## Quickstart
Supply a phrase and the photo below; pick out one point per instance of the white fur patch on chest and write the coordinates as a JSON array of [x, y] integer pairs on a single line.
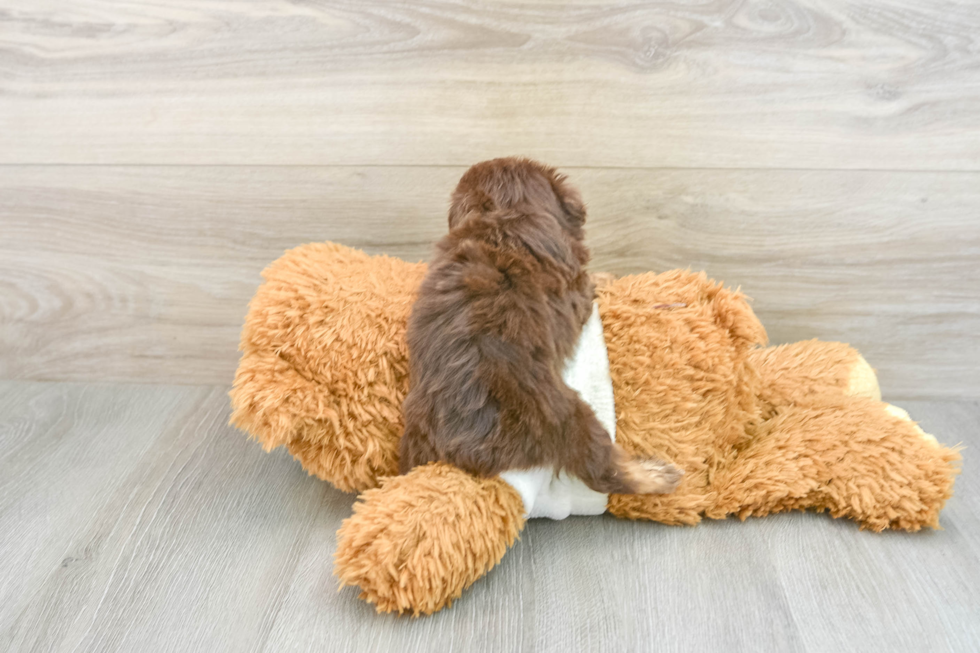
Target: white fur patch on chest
[[556, 496]]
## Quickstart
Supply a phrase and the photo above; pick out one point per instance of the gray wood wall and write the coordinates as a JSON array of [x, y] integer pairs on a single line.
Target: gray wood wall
[[154, 156]]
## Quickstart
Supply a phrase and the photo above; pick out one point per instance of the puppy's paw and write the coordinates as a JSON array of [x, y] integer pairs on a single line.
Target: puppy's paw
[[653, 476]]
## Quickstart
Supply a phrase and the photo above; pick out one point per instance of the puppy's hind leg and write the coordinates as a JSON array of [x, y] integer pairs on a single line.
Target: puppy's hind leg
[[415, 449], [651, 475], [605, 467]]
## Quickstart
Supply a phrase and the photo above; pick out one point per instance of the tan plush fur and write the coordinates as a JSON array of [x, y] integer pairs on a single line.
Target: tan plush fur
[[757, 430], [407, 558], [324, 366]]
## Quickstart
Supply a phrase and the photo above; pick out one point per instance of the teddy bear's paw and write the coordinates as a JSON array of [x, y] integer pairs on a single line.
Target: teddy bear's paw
[[862, 381], [651, 476], [900, 413]]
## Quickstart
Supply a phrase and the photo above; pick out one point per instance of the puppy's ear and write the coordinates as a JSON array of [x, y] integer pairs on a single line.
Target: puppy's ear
[[570, 200], [463, 218], [574, 207], [465, 205]]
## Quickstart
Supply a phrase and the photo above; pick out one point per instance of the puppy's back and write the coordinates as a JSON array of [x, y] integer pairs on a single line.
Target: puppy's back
[[498, 313]]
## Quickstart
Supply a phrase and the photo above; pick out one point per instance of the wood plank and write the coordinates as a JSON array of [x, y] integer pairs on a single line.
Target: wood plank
[[68, 452], [133, 518], [891, 84], [144, 273], [136, 530]]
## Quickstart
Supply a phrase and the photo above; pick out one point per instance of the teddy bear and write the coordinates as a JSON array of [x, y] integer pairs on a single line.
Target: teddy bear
[[755, 429]]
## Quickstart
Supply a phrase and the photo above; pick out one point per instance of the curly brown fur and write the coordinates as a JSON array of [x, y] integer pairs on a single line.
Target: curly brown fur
[[497, 316]]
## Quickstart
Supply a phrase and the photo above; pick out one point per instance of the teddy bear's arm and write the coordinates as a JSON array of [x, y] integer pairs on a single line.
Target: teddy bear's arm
[[415, 543]]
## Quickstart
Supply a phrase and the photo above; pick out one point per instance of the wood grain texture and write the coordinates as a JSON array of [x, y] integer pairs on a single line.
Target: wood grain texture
[[130, 531], [132, 518], [144, 273], [889, 84]]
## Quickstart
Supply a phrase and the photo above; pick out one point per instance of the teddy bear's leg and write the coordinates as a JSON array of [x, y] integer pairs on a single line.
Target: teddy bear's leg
[[417, 541], [801, 371], [903, 414], [854, 457]]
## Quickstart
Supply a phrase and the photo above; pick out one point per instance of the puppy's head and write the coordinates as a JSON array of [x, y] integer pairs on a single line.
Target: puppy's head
[[519, 185]]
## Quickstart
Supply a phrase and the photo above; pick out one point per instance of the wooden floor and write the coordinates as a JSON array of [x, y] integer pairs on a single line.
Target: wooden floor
[[133, 519], [155, 155]]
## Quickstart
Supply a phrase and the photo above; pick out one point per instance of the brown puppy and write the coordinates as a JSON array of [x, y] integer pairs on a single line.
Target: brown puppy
[[497, 316]]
